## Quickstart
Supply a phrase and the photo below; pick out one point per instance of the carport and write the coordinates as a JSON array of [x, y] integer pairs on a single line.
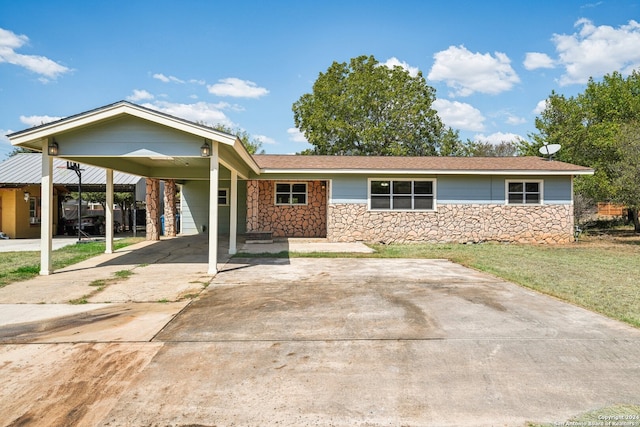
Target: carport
[[133, 139]]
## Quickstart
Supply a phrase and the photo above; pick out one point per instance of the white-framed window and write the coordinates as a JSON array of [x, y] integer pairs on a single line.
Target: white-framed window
[[223, 197], [402, 194], [291, 193], [34, 210], [524, 192]]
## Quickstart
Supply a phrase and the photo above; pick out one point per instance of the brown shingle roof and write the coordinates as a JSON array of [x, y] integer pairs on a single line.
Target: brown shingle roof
[[270, 162]]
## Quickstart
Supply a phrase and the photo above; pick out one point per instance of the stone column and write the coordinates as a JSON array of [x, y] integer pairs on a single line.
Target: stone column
[[153, 209], [170, 207], [252, 206]]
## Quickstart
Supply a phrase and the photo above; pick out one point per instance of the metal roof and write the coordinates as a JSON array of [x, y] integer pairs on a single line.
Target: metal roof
[[26, 169]]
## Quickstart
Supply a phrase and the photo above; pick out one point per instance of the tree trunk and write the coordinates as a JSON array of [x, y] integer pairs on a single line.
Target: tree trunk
[[633, 213]]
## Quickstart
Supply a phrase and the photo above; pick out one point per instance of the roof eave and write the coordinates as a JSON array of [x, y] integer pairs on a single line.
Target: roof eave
[[29, 137], [427, 172]]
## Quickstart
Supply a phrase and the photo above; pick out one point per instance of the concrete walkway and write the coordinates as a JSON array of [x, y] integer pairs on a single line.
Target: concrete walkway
[[24, 245]]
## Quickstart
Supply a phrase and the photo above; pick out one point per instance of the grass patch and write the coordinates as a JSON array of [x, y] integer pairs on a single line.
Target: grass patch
[[123, 274], [622, 415], [18, 266], [100, 284]]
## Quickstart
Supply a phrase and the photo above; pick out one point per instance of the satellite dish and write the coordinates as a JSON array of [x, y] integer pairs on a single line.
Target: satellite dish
[[550, 149]]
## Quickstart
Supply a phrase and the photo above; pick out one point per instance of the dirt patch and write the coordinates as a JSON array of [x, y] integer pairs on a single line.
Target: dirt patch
[[67, 384], [117, 322]]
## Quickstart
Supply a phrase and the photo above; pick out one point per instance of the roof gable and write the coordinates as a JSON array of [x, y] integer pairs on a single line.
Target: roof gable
[[111, 111]]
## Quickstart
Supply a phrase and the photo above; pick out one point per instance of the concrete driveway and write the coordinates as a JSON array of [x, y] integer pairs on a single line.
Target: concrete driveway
[[327, 342]]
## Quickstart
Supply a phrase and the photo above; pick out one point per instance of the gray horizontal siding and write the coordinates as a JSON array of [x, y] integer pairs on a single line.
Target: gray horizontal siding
[[450, 189]]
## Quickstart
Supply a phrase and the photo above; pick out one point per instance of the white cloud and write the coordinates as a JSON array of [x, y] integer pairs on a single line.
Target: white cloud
[[38, 120], [459, 115], [467, 72], [3, 136], [139, 95], [264, 139], [540, 107], [44, 66], [595, 51], [295, 135], [197, 82], [515, 120], [497, 137], [395, 62], [202, 112], [237, 88], [535, 60], [167, 79]]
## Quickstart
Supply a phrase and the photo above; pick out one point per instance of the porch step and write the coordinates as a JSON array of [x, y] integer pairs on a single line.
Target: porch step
[[259, 237]]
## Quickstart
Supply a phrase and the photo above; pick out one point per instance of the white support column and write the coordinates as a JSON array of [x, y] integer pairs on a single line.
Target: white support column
[[213, 209], [109, 213], [46, 212], [233, 213]]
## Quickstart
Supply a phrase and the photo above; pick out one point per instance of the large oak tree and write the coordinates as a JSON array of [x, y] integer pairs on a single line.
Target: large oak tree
[[367, 108], [598, 128]]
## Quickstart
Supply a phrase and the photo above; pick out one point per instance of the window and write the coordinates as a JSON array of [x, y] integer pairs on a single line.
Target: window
[[34, 210], [524, 192], [223, 197], [291, 193], [401, 194]]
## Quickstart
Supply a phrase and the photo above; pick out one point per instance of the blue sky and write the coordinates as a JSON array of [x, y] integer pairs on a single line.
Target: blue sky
[[244, 63]]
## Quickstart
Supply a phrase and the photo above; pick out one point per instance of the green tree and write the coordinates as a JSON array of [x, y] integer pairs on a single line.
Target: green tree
[[253, 145], [20, 150], [626, 181], [487, 149], [594, 129], [366, 108]]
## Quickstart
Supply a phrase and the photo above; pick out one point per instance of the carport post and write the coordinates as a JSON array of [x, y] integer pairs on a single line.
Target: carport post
[[109, 213], [46, 224], [233, 212], [213, 209]]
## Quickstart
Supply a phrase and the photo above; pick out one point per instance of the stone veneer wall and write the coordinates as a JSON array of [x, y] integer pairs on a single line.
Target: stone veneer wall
[[308, 220], [452, 223]]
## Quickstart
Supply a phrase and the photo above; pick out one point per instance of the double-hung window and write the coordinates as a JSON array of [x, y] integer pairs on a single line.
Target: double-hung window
[[291, 193], [401, 194], [223, 197], [524, 192]]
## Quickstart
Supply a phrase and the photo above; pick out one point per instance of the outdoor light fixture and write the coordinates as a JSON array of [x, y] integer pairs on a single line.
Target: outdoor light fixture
[[26, 196], [205, 150], [52, 149]]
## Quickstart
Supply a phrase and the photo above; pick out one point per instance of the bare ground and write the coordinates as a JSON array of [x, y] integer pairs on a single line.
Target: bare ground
[[67, 384]]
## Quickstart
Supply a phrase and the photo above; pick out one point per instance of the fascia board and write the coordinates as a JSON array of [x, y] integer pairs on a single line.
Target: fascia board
[[427, 172], [93, 117]]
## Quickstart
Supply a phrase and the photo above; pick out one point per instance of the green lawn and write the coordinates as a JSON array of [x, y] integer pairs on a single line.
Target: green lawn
[[16, 266]]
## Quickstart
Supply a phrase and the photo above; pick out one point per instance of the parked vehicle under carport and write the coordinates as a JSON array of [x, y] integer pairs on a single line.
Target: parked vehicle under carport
[[91, 224]]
